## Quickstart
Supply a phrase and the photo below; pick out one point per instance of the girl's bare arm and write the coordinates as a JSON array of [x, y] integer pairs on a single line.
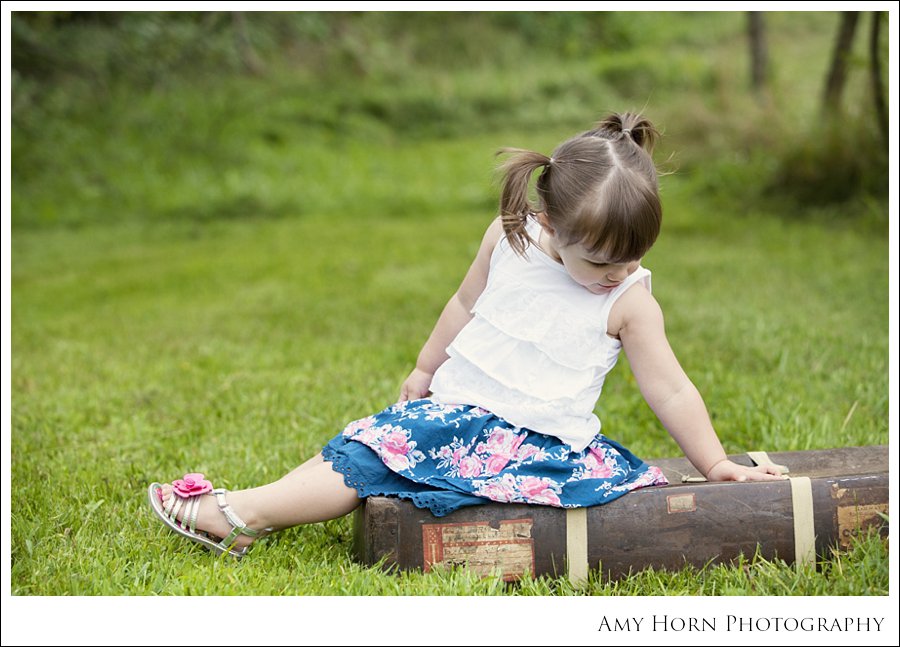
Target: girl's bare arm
[[456, 314], [670, 393]]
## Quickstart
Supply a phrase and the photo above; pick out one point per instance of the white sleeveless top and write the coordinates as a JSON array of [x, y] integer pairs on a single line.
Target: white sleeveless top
[[536, 351]]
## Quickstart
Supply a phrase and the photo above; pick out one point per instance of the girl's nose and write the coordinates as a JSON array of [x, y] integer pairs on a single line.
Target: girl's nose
[[617, 276]]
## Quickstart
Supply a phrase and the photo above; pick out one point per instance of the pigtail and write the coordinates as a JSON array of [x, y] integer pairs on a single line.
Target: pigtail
[[629, 124], [514, 204]]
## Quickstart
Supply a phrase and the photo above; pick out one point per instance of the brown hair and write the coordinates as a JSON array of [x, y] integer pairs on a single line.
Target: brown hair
[[598, 188]]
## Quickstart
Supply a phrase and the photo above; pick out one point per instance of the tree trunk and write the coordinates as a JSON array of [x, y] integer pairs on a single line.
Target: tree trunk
[[877, 85], [245, 48], [759, 55], [837, 74]]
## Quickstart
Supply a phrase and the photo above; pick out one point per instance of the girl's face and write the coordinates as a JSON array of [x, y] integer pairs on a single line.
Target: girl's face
[[592, 271]]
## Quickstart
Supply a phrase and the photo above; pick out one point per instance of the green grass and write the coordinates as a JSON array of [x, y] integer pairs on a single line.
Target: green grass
[[238, 349], [217, 275]]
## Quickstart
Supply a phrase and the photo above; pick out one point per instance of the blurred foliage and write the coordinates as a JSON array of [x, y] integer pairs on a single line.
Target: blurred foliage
[[838, 159], [119, 111], [154, 47]]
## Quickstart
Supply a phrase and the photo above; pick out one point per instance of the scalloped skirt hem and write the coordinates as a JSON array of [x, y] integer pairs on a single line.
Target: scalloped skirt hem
[[355, 462]]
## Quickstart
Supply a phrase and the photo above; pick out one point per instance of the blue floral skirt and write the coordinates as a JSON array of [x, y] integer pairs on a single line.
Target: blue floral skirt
[[444, 457]]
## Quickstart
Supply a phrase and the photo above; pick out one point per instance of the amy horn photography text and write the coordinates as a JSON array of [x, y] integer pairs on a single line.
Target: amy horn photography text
[[741, 623]]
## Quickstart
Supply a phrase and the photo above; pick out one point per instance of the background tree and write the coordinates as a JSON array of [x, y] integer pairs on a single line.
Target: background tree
[[837, 71], [249, 58], [875, 69], [759, 54]]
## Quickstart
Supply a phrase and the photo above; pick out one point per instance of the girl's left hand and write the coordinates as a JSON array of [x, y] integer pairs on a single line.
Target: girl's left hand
[[728, 471]]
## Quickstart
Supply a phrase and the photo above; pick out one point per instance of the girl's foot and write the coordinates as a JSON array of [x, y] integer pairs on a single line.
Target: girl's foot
[[210, 519]]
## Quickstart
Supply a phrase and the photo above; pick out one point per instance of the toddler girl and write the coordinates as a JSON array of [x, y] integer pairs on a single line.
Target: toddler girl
[[500, 404]]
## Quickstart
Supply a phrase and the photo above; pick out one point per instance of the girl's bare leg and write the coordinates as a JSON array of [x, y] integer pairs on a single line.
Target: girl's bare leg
[[309, 493], [315, 460]]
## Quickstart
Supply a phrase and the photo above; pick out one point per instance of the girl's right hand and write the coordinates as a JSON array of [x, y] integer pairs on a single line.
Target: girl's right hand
[[416, 386]]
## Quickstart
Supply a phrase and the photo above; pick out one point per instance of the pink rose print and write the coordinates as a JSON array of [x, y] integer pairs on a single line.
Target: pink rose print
[[531, 485], [396, 462], [502, 442], [654, 476], [502, 490], [359, 425], [546, 497], [496, 463], [497, 492], [395, 443], [499, 440], [396, 450], [470, 467], [191, 485], [367, 436], [458, 456], [595, 463], [537, 490], [526, 452]]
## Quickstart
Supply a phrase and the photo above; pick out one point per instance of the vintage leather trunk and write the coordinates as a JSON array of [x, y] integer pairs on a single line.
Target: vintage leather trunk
[[832, 495]]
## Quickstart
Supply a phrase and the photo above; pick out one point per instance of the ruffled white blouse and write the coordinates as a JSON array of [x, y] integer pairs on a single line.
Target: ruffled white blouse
[[536, 351]]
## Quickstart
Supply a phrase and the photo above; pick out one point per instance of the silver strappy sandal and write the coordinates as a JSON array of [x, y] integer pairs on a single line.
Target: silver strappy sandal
[[186, 493]]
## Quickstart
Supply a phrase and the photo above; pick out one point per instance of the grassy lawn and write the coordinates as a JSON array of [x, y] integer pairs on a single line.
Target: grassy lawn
[[239, 348], [199, 284]]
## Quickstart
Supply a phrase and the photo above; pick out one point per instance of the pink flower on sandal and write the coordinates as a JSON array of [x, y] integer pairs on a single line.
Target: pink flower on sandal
[[191, 485]]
